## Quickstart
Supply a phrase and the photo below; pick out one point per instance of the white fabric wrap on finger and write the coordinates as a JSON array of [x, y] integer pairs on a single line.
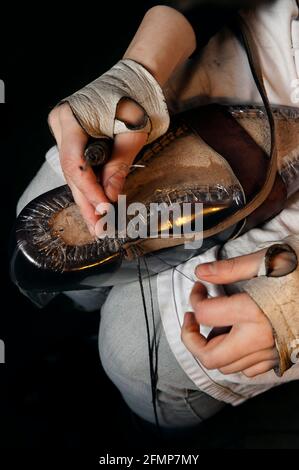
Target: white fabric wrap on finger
[[278, 298], [94, 106]]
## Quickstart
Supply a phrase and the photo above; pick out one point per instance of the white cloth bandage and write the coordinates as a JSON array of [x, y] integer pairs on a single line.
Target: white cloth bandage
[[278, 297], [95, 105]]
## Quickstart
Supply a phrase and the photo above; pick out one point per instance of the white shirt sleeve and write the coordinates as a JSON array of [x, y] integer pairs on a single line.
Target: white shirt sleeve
[[222, 72]]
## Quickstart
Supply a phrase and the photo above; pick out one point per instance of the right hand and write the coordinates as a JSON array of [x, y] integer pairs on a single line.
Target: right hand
[[71, 141]]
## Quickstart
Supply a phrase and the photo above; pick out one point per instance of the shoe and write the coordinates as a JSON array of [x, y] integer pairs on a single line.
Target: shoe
[[220, 166]]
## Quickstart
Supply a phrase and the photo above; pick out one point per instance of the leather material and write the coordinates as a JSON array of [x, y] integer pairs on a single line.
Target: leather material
[[218, 138], [225, 135], [272, 206]]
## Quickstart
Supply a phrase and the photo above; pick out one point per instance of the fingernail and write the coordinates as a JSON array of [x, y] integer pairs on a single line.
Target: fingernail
[[205, 269], [115, 183], [91, 230], [102, 213], [188, 318], [113, 190]]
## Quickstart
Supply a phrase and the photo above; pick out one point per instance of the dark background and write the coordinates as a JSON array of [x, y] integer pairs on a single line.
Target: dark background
[[53, 392]]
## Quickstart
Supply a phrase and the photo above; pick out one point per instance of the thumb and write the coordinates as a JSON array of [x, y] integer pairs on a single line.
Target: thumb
[[125, 148], [240, 268]]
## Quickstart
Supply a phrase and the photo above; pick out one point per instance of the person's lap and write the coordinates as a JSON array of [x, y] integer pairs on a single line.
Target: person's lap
[[125, 358], [123, 342]]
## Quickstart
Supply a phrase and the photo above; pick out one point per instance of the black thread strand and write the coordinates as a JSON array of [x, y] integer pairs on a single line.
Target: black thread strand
[[152, 369]]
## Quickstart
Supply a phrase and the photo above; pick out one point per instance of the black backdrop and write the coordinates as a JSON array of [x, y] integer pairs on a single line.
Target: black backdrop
[[53, 392]]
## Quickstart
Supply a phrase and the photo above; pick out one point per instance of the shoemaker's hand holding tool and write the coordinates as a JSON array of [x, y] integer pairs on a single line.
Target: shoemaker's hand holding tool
[[88, 191], [125, 104]]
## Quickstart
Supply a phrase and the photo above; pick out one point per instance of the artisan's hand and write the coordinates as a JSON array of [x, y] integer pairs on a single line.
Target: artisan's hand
[[248, 346], [71, 141], [163, 41]]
